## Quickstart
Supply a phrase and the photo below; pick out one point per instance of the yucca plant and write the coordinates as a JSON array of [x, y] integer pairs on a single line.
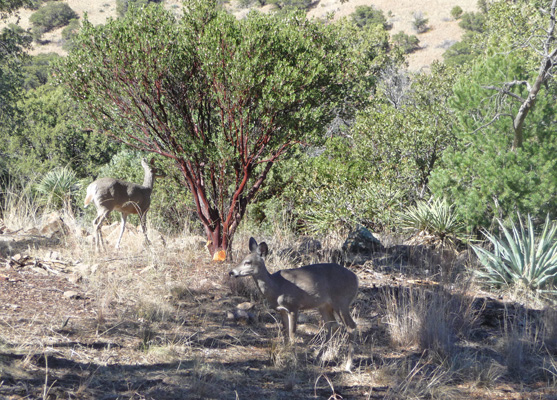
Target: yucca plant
[[520, 258], [435, 217], [57, 187]]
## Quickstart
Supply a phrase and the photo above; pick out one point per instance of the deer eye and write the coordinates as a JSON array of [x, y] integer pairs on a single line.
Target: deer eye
[[247, 262]]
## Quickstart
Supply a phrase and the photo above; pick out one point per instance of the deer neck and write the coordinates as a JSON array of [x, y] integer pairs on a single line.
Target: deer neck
[[149, 178], [266, 285]]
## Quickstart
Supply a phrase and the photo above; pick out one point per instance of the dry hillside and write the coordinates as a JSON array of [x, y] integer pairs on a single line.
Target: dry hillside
[[443, 30]]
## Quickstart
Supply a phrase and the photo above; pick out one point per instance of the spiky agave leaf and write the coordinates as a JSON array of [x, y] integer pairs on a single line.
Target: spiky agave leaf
[[519, 257]]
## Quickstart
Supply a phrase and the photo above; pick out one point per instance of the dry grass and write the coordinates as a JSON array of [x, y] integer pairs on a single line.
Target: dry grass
[[152, 323]]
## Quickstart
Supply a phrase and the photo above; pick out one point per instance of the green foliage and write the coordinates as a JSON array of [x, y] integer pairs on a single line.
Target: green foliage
[[223, 98], [369, 16], [69, 33], [13, 43], [481, 174], [471, 21], [419, 23], [50, 135], [51, 16], [465, 51], [408, 43], [122, 6], [366, 175], [57, 187], [37, 70], [435, 217], [456, 12], [521, 258], [290, 5]]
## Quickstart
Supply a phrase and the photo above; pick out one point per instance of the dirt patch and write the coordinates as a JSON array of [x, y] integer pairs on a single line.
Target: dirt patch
[[155, 324]]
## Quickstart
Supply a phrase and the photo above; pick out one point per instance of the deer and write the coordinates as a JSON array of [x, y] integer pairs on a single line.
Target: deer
[[109, 194], [329, 288]]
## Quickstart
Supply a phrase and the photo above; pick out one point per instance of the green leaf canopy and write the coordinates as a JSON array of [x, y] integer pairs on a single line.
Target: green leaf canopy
[[224, 98]]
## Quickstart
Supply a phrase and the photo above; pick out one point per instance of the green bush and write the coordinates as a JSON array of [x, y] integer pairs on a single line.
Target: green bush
[[456, 12], [69, 33], [49, 17], [37, 70], [122, 6], [408, 43], [369, 16], [481, 173], [471, 21], [420, 22], [521, 258]]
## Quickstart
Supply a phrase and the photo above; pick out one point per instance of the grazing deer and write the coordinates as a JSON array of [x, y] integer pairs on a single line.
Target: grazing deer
[[111, 194], [329, 288]]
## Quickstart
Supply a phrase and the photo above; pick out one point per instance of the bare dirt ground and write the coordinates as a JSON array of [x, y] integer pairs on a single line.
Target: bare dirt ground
[[441, 33], [157, 324]]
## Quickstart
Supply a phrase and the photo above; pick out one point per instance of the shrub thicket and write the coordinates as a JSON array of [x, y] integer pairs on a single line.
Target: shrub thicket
[[456, 12], [369, 16], [408, 43], [122, 6], [51, 16], [471, 21]]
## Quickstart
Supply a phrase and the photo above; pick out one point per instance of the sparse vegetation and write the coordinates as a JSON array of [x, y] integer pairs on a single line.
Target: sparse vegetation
[[456, 12], [420, 23], [50, 16], [369, 16], [408, 43]]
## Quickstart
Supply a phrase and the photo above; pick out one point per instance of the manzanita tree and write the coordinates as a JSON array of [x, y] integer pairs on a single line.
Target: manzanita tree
[[223, 98]]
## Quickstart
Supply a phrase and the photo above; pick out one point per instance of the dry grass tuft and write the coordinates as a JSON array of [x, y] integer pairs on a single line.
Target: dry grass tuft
[[430, 318]]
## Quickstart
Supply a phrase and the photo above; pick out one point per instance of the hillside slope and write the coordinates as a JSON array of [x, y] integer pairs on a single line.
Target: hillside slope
[[443, 30]]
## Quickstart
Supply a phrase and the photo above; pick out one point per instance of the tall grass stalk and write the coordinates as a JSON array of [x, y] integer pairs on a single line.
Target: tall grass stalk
[[20, 208]]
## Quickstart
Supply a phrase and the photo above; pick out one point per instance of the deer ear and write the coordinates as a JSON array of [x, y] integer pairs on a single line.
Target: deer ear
[[252, 244], [262, 249]]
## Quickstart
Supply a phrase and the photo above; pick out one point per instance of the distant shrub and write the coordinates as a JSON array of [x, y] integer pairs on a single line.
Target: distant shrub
[[49, 17], [69, 33], [474, 22], [456, 12], [369, 16], [122, 6], [408, 43], [420, 22]]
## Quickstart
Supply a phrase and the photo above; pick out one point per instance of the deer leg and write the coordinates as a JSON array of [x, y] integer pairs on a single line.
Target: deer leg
[[289, 321], [292, 324], [344, 314], [124, 217], [143, 220], [97, 223], [327, 312]]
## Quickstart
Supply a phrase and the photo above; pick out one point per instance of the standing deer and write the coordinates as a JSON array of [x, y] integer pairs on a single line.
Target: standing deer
[[111, 194], [330, 288]]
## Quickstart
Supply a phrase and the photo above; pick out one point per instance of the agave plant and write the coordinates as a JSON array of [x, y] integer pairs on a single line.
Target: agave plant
[[520, 257], [435, 217], [57, 187]]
